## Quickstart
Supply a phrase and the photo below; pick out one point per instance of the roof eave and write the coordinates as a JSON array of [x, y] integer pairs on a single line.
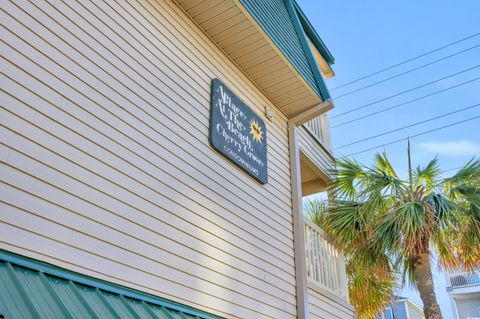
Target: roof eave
[[255, 53]]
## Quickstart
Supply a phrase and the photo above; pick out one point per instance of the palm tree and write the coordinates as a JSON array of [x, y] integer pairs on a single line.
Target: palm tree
[[389, 227]]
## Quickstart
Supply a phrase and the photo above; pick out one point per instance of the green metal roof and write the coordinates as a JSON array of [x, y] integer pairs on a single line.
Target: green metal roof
[[32, 289], [288, 28]]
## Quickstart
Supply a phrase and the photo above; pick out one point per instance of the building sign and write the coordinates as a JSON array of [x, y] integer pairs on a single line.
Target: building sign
[[237, 132]]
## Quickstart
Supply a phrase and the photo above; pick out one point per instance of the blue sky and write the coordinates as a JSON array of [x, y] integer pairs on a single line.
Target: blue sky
[[366, 36]]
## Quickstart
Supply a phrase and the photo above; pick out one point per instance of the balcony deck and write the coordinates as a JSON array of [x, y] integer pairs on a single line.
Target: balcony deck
[[319, 127], [464, 279], [325, 265], [327, 285]]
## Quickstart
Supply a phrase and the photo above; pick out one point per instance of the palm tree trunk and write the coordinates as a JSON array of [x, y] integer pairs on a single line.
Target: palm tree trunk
[[424, 282]]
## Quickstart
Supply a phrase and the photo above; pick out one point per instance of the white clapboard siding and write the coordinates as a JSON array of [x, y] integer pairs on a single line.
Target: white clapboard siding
[[106, 166], [75, 57], [42, 121], [310, 147], [322, 307]]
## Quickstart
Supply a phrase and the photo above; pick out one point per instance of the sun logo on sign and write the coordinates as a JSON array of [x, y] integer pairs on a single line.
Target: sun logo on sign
[[256, 131]]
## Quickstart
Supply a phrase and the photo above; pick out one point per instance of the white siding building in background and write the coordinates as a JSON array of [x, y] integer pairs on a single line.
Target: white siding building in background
[[403, 308], [464, 290]]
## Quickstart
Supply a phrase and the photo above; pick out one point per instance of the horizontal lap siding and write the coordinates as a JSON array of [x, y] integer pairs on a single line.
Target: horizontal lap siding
[[106, 166], [321, 307], [310, 147]]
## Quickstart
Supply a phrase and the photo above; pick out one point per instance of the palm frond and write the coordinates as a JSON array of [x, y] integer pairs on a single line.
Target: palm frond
[[382, 164], [428, 175], [346, 222], [403, 261], [443, 241], [446, 212], [457, 243], [469, 173], [371, 285], [316, 211], [388, 233], [405, 227], [348, 175], [469, 239]]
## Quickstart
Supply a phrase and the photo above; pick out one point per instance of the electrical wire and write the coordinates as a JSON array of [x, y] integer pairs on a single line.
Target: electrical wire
[[415, 135], [406, 61], [406, 72], [408, 126], [451, 169], [404, 103], [404, 92]]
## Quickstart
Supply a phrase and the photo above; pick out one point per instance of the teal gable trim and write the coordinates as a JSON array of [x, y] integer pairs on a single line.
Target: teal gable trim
[[280, 21], [34, 289], [274, 18], [324, 93], [313, 35]]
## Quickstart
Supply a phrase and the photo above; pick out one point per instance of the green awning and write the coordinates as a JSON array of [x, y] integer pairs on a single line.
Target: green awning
[[31, 289]]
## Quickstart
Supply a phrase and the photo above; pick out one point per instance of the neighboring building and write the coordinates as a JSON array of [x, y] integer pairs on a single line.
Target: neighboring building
[[403, 308], [464, 290], [154, 155]]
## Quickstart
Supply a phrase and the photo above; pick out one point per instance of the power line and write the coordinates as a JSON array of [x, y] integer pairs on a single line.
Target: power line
[[416, 135], [408, 126], [451, 169], [406, 61], [404, 103], [406, 72], [404, 92]]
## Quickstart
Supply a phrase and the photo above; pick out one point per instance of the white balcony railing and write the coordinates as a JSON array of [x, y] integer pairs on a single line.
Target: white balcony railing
[[463, 279], [320, 128], [325, 265]]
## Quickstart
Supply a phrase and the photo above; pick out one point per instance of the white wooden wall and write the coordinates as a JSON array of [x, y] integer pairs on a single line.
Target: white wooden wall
[[323, 307], [106, 167], [310, 147]]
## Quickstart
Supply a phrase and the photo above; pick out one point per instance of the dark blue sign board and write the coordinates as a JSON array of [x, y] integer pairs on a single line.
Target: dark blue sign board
[[237, 132]]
